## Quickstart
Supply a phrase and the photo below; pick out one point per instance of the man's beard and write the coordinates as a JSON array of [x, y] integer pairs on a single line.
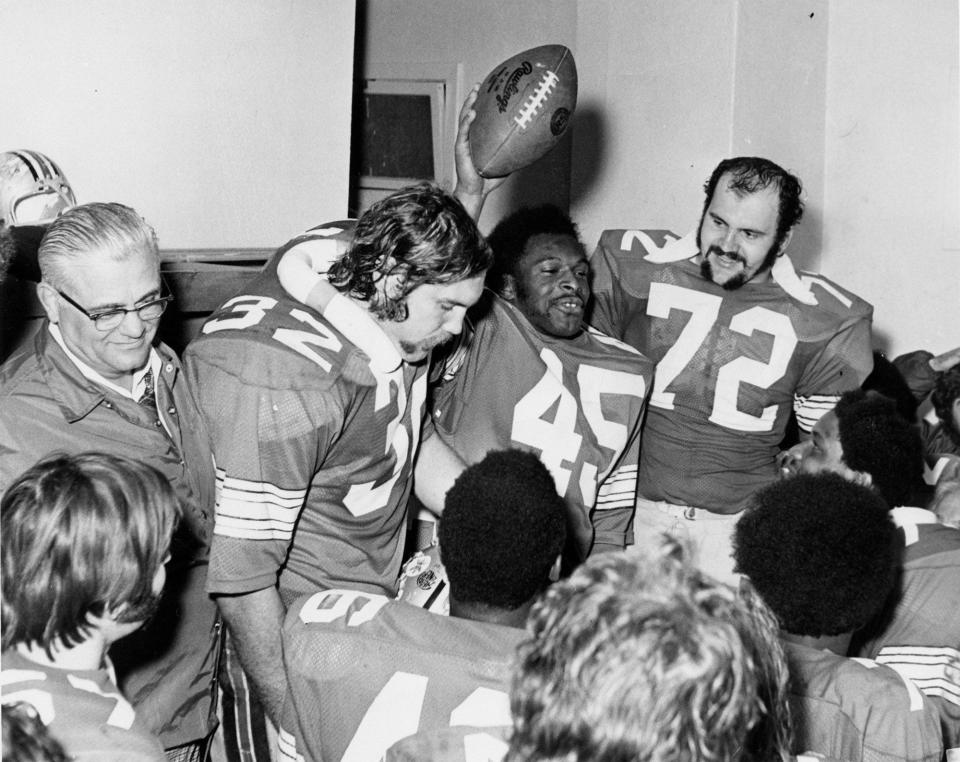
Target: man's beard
[[418, 348], [742, 277]]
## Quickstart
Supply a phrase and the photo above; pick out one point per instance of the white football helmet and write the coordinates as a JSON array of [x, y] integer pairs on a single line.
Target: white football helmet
[[33, 189]]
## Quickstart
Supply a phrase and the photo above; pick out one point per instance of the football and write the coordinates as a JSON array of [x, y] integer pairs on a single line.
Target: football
[[523, 109]]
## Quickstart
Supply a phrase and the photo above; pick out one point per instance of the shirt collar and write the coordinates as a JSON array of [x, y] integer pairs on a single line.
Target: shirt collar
[[906, 515], [782, 272], [153, 364]]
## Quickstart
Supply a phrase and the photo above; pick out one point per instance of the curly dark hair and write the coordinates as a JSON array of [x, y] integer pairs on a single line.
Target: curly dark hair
[[502, 528], [876, 439], [946, 390], [886, 379], [750, 174], [509, 238], [423, 234], [822, 552]]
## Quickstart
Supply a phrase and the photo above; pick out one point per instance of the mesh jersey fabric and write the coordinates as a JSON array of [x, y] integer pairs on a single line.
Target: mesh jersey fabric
[[918, 633], [730, 365], [313, 446], [456, 744], [364, 671], [858, 710], [82, 709], [577, 403]]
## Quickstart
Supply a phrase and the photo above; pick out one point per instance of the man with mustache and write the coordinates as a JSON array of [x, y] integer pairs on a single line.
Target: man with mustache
[[315, 418], [528, 374], [739, 337]]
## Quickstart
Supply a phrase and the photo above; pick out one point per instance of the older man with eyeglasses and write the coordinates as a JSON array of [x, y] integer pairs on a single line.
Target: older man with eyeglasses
[[94, 378]]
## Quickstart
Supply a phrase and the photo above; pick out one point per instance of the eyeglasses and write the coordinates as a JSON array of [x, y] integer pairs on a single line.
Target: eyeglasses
[[110, 319]]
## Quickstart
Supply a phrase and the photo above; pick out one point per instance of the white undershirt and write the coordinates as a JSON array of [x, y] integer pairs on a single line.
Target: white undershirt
[[154, 363]]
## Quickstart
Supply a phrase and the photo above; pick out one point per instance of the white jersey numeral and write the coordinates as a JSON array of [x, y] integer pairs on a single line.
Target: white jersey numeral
[[558, 439], [725, 411], [40, 700], [251, 310], [122, 715], [330, 605], [483, 747], [395, 714], [301, 341], [704, 310], [365, 498]]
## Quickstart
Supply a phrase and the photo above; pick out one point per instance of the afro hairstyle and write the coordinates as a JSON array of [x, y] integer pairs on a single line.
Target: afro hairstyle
[[509, 238], [821, 551], [886, 379], [946, 390], [502, 528], [877, 440]]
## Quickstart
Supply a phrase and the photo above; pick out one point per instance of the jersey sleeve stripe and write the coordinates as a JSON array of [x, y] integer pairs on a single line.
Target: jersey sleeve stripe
[[287, 747], [619, 490], [811, 409], [245, 485], [252, 529], [255, 510], [927, 667]]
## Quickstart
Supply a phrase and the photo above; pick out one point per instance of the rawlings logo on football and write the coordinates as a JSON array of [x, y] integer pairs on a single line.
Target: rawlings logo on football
[[535, 101], [523, 108], [512, 85], [559, 121]]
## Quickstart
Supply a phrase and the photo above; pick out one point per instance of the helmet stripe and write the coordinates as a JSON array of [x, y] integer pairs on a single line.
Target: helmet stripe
[[27, 159]]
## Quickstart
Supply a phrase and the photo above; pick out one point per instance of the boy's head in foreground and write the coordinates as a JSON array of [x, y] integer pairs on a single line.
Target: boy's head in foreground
[[85, 539]]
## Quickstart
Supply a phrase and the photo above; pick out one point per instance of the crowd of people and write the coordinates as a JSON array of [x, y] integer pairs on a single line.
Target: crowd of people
[[636, 557]]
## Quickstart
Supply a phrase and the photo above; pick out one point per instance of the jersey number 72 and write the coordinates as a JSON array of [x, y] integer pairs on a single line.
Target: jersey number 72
[[704, 309]]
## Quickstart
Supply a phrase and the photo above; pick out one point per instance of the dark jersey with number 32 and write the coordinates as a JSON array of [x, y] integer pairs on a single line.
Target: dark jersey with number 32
[[313, 439], [730, 364]]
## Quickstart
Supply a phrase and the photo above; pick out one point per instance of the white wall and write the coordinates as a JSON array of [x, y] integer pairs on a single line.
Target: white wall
[[477, 35], [669, 88], [226, 124], [892, 230], [859, 98]]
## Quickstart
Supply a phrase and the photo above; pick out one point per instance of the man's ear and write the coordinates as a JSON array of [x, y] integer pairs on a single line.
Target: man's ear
[[508, 290], [50, 300], [394, 284], [785, 243]]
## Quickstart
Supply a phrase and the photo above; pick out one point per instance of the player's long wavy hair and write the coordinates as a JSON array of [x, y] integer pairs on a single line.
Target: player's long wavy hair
[[644, 658], [421, 233], [82, 534], [750, 174]]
